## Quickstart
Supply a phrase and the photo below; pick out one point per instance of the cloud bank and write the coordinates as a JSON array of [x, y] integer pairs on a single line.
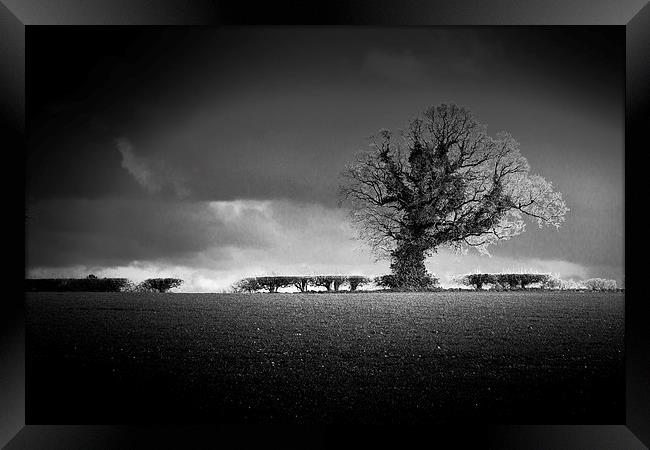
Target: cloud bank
[[213, 244]]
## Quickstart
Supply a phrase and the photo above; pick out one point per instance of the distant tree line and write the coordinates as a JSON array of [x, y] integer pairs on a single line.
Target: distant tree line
[[94, 284], [331, 283]]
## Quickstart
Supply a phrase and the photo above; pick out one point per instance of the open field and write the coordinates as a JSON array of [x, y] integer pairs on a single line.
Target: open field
[[508, 357]]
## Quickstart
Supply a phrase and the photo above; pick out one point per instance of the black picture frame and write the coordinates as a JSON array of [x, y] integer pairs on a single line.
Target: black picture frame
[[16, 15]]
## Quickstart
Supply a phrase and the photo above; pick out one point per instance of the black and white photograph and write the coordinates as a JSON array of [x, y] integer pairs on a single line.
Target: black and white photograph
[[325, 225]]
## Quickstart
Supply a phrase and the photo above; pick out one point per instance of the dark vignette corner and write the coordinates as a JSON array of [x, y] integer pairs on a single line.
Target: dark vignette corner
[[637, 334], [12, 320], [636, 312]]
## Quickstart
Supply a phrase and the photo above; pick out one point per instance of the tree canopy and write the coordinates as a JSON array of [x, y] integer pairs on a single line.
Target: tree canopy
[[443, 181]]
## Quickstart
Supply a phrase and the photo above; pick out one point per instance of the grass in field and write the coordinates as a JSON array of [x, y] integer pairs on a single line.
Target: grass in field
[[497, 357]]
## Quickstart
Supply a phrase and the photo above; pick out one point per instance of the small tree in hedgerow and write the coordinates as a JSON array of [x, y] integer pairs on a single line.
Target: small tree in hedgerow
[[301, 283], [323, 281], [273, 283], [356, 281], [159, 284], [478, 280], [512, 280], [526, 279], [337, 281], [600, 284], [521, 280], [443, 182], [554, 282], [247, 285]]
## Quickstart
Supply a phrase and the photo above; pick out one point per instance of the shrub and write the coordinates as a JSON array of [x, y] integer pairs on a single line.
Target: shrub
[[355, 281], [531, 278], [130, 286], [159, 284], [477, 280], [600, 284], [511, 280], [552, 283], [337, 281], [520, 280], [247, 285], [270, 283], [301, 283], [571, 285], [273, 283], [390, 282], [325, 281], [330, 282], [501, 281]]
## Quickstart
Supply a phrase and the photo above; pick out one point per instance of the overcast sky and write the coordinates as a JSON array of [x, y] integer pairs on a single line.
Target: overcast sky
[[212, 154]]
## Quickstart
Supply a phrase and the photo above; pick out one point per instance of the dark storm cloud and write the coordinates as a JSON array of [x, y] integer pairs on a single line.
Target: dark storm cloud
[[119, 231], [158, 115], [279, 98], [396, 67], [293, 102]]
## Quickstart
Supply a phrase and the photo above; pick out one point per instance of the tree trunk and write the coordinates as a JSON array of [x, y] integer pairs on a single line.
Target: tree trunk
[[408, 267]]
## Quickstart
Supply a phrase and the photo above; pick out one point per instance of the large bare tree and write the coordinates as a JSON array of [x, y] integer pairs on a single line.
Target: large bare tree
[[443, 181]]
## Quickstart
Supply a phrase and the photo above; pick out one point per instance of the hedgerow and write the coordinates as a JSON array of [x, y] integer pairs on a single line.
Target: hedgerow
[[502, 281], [600, 284], [76, 284], [357, 281], [429, 282], [158, 284], [302, 283]]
